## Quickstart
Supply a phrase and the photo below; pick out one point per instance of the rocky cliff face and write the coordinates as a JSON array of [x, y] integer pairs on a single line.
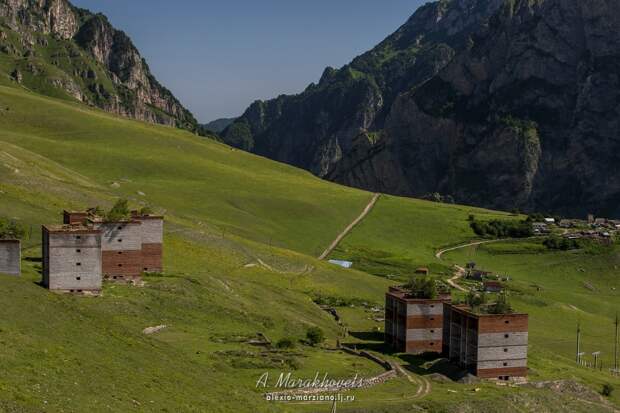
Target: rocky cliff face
[[57, 49], [511, 104]]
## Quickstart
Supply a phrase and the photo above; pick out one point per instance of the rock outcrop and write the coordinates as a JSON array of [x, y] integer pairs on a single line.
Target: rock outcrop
[[65, 51], [512, 104]]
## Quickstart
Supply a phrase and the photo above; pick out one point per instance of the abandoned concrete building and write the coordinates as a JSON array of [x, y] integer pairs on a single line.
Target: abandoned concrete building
[[490, 346], [72, 259], [413, 325], [80, 254], [10, 256], [129, 247]]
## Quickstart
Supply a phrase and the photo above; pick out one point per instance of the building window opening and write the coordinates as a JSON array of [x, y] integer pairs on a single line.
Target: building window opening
[[78, 278]]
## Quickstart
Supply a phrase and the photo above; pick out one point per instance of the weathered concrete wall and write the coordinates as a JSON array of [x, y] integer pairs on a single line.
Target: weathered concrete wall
[[73, 262], [10, 257], [425, 309], [124, 236], [152, 230], [425, 334]]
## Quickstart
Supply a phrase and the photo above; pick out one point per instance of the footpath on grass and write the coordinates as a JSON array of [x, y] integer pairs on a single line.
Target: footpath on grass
[[352, 225]]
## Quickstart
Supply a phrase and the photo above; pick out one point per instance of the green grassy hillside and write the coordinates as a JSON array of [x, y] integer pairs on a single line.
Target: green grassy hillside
[[241, 234]]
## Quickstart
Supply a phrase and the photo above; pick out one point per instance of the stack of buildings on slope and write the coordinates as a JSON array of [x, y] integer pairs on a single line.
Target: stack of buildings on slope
[[490, 346], [86, 249]]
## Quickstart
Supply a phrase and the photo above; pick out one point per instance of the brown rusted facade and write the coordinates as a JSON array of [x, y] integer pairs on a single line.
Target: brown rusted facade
[[413, 325], [491, 346]]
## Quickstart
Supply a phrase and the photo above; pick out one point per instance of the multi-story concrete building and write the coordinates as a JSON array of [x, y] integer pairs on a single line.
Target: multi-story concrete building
[[413, 325], [129, 247], [10, 256], [72, 259], [492, 346]]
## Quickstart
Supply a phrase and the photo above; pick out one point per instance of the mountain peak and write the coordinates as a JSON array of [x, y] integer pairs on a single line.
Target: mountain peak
[[64, 51]]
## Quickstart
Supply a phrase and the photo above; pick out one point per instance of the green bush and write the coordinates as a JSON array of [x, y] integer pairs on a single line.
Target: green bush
[[564, 244], [608, 389], [501, 306], [503, 228], [422, 287], [315, 336], [119, 212], [10, 229], [285, 343]]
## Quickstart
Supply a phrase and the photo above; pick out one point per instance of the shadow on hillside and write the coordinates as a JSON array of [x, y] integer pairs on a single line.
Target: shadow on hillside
[[367, 335], [429, 363], [376, 347]]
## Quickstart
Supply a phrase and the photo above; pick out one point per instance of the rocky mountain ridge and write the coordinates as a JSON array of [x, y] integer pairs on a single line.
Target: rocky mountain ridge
[[54, 48], [505, 104]]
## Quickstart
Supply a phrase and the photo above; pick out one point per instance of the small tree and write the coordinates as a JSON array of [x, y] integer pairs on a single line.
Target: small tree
[[285, 343], [501, 306], [608, 389], [10, 229], [146, 210], [422, 287], [119, 212], [315, 336], [475, 300]]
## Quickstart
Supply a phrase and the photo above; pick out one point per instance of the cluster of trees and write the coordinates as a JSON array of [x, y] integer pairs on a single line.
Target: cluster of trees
[[10, 229], [478, 302], [422, 287], [502, 228], [564, 244]]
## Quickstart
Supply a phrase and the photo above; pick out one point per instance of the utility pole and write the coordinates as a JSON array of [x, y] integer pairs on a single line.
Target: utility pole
[[578, 343], [616, 346]]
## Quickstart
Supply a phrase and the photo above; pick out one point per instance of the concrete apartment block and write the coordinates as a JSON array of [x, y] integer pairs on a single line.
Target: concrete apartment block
[[72, 259], [10, 256], [121, 248], [413, 325], [490, 346]]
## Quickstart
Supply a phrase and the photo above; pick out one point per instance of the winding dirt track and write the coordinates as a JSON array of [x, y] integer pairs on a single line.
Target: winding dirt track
[[460, 271], [352, 225]]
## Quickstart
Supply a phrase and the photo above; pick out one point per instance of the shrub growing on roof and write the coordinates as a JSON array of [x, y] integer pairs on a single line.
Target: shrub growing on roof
[[119, 212], [10, 229], [422, 287]]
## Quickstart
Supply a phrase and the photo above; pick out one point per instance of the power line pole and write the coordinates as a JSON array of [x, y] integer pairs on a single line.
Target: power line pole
[[616, 346], [578, 342]]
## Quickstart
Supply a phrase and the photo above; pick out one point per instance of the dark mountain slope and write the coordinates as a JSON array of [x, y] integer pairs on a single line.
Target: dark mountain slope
[[54, 48], [527, 117], [315, 128], [520, 111]]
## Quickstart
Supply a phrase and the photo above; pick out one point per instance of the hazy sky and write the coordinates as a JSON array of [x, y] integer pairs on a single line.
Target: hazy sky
[[218, 56]]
